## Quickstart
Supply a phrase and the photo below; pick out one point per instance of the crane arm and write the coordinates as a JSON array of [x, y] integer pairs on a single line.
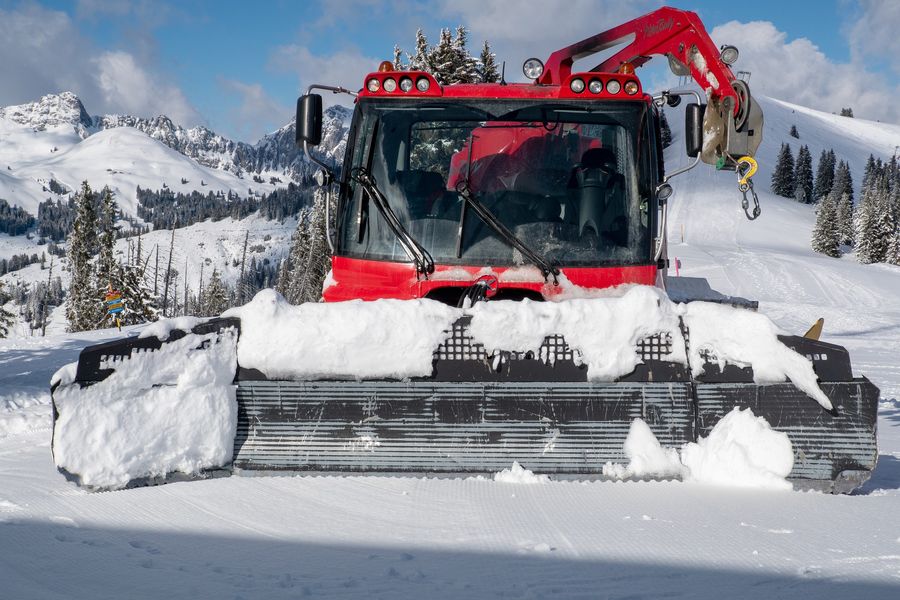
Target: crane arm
[[678, 34], [732, 120]]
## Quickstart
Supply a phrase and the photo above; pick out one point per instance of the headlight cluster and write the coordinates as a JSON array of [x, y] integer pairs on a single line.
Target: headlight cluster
[[595, 86], [390, 85]]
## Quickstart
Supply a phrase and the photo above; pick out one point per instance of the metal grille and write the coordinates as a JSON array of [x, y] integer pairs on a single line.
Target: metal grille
[[459, 345], [454, 427], [655, 347]]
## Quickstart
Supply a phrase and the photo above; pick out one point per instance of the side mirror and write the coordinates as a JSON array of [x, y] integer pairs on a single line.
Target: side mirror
[[309, 119], [693, 128]]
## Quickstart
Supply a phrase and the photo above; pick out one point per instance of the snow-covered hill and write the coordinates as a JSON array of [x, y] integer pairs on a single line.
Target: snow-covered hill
[[54, 137]]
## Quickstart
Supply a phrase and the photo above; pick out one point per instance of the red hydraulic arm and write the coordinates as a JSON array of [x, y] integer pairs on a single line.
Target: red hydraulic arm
[[678, 34]]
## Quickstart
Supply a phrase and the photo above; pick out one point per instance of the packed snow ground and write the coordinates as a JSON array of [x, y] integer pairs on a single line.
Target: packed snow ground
[[335, 537]]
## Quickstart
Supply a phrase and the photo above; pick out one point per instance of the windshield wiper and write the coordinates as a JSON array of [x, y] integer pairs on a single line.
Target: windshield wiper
[[420, 256], [547, 268]]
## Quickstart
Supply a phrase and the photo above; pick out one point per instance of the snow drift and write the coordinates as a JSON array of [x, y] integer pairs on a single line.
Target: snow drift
[[647, 457], [355, 339], [128, 426], [741, 450], [520, 475]]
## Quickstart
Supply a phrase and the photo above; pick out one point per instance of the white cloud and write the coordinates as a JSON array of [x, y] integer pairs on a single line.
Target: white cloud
[[797, 71], [257, 112], [875, 33], [43, 52], [520, 29], [345, 68], [136, 91]]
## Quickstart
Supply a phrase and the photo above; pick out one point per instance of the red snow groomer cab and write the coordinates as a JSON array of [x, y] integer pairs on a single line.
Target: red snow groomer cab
[[525, 183]]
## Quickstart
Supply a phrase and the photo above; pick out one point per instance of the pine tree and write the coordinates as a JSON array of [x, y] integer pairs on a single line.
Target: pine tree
[[215, 296], [398, 59], [875, 223], [421, 60], [824, 175], [106, 225], [794, 132], [843, 185], [296, 256], [825, 237], [6, 317], [443, 59], [304, 272], [465, 65], [871, 169], [83, 311], [893, 251], [665, 130], [487, 65], [883, 223], [140, 304], [803, 176], [783, 175], [847, 112]]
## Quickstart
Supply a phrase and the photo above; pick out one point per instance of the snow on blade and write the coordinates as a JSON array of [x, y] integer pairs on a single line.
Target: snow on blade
[[604, 330], [164, 327], [356, 339], [127, 427], [647, 457], [742, 450], [746, 338], [518, 474]]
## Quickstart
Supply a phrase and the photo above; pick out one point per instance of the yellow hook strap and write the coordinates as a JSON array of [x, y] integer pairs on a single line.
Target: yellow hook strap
[[752, 167]]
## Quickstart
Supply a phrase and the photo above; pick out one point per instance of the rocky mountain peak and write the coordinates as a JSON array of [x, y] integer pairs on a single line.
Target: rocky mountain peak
[[52, 110]]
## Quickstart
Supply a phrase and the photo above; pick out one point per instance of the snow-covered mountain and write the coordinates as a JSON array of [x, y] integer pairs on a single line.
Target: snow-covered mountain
[[56, 138]]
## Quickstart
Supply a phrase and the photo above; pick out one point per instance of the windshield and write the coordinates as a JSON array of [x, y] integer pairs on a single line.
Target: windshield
[[564, 179]]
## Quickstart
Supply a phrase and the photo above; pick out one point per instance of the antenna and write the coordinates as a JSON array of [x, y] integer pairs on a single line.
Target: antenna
[[503, 73]]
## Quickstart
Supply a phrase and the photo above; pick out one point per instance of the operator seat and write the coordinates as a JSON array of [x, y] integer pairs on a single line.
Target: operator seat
[[601, 198], [542, 192], [422, 189]]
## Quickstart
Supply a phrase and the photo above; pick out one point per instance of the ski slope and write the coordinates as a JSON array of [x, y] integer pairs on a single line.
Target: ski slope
[[379, 537], [122, 158]]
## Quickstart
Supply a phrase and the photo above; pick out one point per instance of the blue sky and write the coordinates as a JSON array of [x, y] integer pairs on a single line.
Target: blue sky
[[238, 68]]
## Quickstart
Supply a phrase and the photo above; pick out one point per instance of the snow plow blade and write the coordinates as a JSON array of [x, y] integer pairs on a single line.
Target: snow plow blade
[[478, 413]]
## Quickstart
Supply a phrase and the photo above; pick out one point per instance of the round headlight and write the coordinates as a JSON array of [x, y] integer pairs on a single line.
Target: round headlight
[[577, 85], [613, 86], [533, 68], [390, 84], [596, 86], [729, 55], [631, 88], [422, 84], [406, 84], [373, 85]]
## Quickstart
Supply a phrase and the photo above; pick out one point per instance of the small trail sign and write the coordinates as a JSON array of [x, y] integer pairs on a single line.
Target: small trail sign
[[114, 305]]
